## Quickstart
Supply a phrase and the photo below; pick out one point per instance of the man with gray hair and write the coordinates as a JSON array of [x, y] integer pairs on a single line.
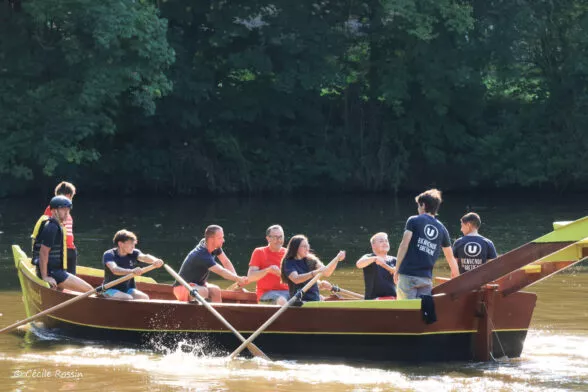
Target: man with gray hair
[[264, 268], [378, 269]]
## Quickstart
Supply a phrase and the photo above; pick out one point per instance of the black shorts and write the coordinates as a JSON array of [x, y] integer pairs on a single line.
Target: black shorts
[[60, 275]]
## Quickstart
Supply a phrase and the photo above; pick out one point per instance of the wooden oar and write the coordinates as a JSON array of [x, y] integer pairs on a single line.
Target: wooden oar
[[351, 294], [278, 313], [252, 348], [76, 299]]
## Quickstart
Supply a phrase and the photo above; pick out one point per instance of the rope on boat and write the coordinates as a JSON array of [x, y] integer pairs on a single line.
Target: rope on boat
[[495, 333]]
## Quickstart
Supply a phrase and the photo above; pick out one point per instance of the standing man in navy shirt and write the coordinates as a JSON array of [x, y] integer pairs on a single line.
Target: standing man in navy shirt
[[472, 250], [123, 260], [378, 268], [424, 237]]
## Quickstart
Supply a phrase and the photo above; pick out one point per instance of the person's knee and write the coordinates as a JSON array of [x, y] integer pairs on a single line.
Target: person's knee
[[215, 293], [203, 291], [136, 294], [281, 301]]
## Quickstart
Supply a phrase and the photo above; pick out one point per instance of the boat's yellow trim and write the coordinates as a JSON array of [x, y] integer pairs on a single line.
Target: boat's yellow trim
[[532, 269], [571, 252], [99, 273], [566, 231], [403, 304], [283, 332], [23, 264]]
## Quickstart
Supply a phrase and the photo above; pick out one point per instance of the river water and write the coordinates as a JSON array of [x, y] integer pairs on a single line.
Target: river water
[[555, 357]]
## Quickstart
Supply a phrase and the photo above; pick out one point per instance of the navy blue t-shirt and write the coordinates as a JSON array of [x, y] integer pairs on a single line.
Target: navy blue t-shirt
[[378, 281], [428, 237], [471, 251], [128, 261], [300, 266], [195, 267], [52, 237]]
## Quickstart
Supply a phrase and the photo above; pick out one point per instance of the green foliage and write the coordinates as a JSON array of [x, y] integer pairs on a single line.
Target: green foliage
[[295, 96], [68, 67]]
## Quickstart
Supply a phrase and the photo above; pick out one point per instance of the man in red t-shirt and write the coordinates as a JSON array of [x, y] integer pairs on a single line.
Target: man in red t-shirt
[[68, 190], [264, 268]]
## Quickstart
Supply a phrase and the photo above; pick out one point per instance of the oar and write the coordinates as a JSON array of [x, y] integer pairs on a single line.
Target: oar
[[76, 299], [252, 348], [279, 312], [351, 294]]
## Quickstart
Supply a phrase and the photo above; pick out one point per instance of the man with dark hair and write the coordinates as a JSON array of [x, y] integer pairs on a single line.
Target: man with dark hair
[[49, 251], [68, 190], [378, 269], [200, 261], [264, 268], [123, 260], [472, 250], [424, 237]]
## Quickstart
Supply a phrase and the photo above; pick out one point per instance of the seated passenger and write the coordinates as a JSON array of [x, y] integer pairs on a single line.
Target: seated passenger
[[378, 269], [121, 261], [300, 265], [264, 268], [49, 248], [200, 262], [472, 250]]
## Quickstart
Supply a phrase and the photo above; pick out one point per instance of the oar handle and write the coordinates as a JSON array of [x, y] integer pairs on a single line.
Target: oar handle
[[337, 289], [75, 299], [279, 312], [252, 348]]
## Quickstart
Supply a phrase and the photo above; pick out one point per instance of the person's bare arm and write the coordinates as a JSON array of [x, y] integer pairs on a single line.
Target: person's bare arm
[[149, 259], [226, 262], [229, 275], [448, 252], [402, 249], [365, 261], [116, 270], [43, 263]]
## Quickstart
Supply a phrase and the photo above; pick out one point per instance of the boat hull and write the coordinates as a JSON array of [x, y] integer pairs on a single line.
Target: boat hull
[[344, 333]]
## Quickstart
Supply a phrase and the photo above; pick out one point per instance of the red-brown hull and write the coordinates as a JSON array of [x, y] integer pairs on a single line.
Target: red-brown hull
[[347, 333]]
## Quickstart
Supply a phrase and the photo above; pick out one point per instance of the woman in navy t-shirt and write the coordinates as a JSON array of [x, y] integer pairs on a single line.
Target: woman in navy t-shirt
[[300, 265]]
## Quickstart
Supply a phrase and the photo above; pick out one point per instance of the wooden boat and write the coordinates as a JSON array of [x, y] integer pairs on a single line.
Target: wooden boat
[[480, 314]]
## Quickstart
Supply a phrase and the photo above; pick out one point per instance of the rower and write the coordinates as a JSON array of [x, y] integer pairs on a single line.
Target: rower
[[200, 262], [378, 269], [300, 265], [264, 268], [122, 260]]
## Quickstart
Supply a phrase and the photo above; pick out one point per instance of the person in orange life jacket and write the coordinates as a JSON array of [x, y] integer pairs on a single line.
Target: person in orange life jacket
[[49, 251], [264, 268], [472, 250], [424, 238], [300, 265], [68, 190], [378, 269], [121, 261], [200, 262]]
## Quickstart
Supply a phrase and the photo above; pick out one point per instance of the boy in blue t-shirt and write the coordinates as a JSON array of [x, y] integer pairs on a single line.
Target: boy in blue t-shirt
[[424, 238], [472, 250]]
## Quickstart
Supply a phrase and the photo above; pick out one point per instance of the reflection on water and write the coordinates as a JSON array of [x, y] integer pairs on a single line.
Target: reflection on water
[[555, 357], [550, 363]]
